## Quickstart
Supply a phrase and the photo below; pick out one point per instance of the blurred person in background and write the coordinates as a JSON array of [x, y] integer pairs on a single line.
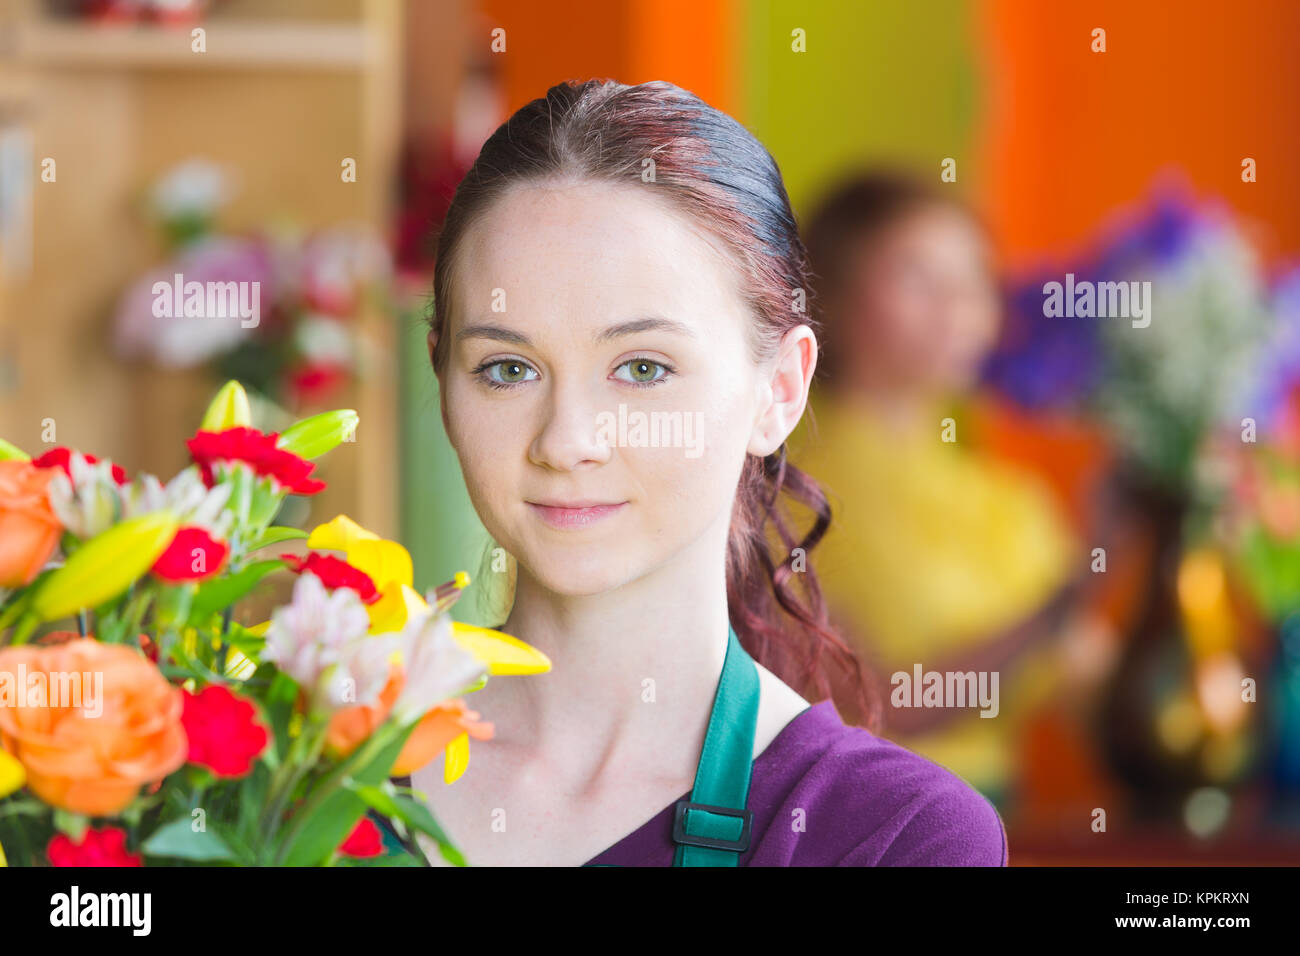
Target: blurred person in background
[[941, 555]]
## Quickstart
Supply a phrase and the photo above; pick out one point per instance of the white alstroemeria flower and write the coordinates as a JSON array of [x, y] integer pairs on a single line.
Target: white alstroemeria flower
[[313, 633], [91, 501], [436, 666], [186, 496], [361, 673]]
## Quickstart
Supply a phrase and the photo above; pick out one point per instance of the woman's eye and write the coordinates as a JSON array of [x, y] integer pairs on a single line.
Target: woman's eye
[[504, 373], [644, 372]]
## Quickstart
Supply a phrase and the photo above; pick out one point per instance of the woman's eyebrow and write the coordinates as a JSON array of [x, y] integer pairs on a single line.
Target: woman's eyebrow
[[492, 332], [648, 324]]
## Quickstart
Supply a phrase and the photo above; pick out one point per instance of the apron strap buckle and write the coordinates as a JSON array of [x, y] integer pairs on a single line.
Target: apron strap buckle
[[705, 818]]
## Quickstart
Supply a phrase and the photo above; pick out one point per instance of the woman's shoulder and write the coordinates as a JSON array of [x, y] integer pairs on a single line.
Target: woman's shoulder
[[840, 795]]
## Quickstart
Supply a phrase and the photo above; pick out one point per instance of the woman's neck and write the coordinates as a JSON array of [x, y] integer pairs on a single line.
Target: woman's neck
[[633, 671]]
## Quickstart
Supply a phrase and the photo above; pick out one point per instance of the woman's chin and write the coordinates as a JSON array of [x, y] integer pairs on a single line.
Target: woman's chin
[[579, 572]]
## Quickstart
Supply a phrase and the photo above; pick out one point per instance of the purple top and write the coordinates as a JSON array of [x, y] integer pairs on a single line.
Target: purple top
[[827, 794]]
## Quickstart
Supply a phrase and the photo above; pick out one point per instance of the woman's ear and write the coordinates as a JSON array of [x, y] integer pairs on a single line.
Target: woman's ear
[[784, 391], [433, 343]]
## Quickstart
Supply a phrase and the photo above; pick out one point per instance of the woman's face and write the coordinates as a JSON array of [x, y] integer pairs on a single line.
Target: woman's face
[[921, 305], [585, 315]]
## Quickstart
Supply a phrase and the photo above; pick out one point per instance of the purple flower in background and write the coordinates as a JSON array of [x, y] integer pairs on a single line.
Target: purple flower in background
[[1052, 361], [1278, 372], [1041, 361], [1189, 367], [1154, 235]]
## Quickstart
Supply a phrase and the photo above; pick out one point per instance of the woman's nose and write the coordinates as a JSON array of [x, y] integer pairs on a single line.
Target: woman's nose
[[569, 435]]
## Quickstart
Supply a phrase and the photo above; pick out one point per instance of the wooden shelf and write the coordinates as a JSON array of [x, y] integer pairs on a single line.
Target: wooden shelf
[[231, 44]]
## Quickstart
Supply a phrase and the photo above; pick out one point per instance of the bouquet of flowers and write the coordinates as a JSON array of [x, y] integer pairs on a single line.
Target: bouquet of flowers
[[160, 730], [1261, 478], [275, 309], [1165, 385]]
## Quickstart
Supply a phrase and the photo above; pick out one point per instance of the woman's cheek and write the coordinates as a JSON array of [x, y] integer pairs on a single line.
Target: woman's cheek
[[682, 483]]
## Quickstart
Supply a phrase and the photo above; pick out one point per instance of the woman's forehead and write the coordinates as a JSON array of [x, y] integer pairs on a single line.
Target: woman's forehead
[[587, 224], [590, 253]]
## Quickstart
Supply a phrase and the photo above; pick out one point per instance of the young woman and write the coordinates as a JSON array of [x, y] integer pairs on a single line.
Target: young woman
[[942, 554], [621, 351]]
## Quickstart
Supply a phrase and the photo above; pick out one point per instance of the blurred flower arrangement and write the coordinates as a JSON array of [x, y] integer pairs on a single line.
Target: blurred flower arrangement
[[300, 345], [1162, 388], [1203, 406], [161, 731]]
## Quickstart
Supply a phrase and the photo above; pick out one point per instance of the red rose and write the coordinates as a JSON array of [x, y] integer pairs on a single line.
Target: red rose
[[257, 450], [335, 573], [59, 457], [223, 733], [177, 562], [363, 841], [106, 847]]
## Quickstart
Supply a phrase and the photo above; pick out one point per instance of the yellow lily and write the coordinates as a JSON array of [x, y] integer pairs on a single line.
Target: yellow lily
[[389, 565], [228, 409], [100, 569], [313, 437], [12, 774]]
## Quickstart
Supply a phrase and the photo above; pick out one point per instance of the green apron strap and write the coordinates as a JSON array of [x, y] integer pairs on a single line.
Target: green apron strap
[[712, 828]]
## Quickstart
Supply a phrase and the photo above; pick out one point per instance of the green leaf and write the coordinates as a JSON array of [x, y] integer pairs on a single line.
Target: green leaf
[[414, 813], [275, 534], [245, 641], [332, 821], [375, 797], [10, 452], [219, 593], [179, 839], [387, 859], [252, 797], [1272, 571], [280, 699], [173, 603], [72, 824], [16, 609]]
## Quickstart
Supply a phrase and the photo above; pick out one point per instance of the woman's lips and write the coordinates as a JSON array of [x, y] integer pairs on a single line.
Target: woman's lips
[[565, 517]]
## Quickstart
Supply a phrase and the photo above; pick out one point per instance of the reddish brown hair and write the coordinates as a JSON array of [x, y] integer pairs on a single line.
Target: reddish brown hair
[[711, 168]]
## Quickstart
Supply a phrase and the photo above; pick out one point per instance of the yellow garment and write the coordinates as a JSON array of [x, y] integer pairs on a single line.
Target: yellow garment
[[933, 548]]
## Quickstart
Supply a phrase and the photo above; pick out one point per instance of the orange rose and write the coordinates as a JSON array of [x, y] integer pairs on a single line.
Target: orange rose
[[29, 529], [351, 726], [93, 757]]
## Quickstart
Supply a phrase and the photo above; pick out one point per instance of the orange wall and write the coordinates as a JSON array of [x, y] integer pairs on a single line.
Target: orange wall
[[1197, 83], [633, 41]]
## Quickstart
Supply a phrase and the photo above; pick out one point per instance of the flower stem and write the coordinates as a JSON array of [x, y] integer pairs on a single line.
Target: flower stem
[[329, 784], [287, 777]]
